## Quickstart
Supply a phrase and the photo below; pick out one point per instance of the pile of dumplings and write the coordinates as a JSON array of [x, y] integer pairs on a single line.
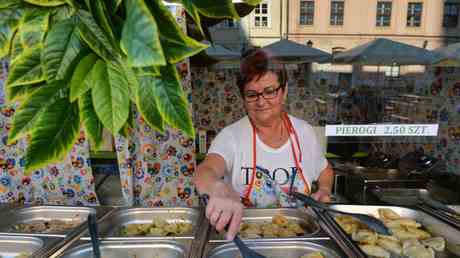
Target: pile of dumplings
[[408, 238], [158, 227], [280, 226]]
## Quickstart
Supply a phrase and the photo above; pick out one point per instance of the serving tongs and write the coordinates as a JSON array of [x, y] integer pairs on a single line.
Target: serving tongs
[[245, 251], [93, 232], [373, 223], [438, 206]]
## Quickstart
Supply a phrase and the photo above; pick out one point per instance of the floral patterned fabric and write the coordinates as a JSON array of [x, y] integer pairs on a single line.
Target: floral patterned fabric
[[217, 103], [67, 183], [156, 169]]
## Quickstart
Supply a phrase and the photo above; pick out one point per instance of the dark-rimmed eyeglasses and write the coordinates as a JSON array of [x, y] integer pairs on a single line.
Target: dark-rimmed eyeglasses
[[267, 93]]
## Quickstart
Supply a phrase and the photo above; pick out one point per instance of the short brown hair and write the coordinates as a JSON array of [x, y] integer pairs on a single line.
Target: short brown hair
[[254, 64]]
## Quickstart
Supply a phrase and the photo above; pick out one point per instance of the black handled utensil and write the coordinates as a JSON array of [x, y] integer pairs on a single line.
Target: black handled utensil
[[245, 251], [92, 225], [370, 221], [438, 205]]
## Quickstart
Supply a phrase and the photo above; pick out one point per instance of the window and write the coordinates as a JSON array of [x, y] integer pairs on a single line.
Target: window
[[307, 12], [261, 15], [451, 13], [414, 14], [337, 10], [228, 24], [383, 18]]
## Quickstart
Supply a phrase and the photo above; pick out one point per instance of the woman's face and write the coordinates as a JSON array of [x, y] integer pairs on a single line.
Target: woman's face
[[264, 109]]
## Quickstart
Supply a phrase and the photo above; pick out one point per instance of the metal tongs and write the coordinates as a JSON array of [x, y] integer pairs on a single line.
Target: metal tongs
[[438, 205], [245, 251], [373, 223], [93, 232]]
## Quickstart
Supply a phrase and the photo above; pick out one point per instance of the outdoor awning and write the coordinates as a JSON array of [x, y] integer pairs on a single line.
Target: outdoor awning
[[383, 51], [287, 50], [221, 53], [448, 56]]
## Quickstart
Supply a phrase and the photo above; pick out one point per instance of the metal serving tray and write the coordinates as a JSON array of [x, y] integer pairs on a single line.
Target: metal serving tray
[[75, 214], [302, 216], [286, 249], [433, 225], [400, 196], [115, 249], [110, 227], [12, 246]]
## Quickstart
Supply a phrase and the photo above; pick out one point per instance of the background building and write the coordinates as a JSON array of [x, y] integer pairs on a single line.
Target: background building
[[342, 24]]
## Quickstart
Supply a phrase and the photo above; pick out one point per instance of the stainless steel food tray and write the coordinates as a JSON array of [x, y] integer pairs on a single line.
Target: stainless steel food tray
[[115, 249], [433, 225], [11, 246], [302, 216], [285, 249], [110, 227], [400, 196], [75, 214]]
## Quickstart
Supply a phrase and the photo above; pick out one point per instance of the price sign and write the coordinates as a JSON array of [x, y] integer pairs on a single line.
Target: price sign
[[383, 130]]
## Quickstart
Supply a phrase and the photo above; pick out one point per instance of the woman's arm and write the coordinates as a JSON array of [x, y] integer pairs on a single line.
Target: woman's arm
[[325, 181], [224, 204]]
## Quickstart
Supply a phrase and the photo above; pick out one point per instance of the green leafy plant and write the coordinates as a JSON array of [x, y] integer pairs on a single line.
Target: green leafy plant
[[84, 63]]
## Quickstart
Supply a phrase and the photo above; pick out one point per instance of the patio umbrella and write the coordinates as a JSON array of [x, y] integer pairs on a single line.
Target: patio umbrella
[[383, 51], [290, 51], [448, 56], [221, 53]]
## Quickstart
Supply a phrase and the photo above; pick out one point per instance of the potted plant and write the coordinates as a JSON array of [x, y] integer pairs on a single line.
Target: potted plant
[[84, 63]]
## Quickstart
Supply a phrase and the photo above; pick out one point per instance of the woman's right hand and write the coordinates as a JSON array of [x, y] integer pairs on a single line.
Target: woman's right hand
[[225, 208]]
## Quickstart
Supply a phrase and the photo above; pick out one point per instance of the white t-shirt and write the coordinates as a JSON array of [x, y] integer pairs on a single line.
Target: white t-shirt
[[234, 144]]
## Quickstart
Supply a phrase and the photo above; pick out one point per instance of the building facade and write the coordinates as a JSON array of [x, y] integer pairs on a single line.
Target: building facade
[[343, 24]]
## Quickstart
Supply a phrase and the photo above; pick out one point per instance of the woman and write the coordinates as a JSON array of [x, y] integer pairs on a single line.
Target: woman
[[259, 159]]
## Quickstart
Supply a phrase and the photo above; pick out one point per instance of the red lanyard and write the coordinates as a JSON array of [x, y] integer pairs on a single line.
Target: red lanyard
[[297, 155]]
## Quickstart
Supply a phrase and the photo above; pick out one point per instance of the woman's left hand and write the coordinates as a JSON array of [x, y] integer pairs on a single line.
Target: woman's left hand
[[322, 195]]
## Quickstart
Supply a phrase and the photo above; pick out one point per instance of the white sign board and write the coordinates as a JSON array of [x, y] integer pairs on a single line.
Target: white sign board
[[383, 130]]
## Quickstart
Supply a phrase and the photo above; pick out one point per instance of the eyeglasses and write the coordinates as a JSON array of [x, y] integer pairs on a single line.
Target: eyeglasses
[[267, 93]]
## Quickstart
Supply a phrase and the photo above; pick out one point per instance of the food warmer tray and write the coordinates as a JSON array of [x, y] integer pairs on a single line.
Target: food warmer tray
[[273, 249], [304, 217], [77, 214], [13, 246], [432, 224], [110, 227], [130, 249]]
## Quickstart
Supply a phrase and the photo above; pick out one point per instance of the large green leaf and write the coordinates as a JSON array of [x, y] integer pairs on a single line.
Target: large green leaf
[[139, 38], [32, 108], [54, 134], [176, 44], [147, 105], [252, 2], [22, 91], [16, 49], [95, 38], [8, 3], [194, 14], [93, 127], [9, 20], [78, 84], [110, 94], [171, 100], [34, 26], [131, 76], [114, 4], [217, 9], [61, 13], [46, 2], [26, 69], [101, 14], [62, 46]]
